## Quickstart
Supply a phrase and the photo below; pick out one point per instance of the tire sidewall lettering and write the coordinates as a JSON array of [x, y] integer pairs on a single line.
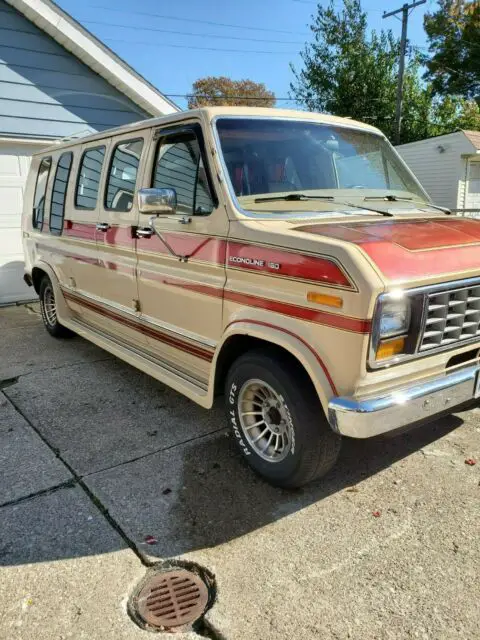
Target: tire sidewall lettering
[[233, 421]]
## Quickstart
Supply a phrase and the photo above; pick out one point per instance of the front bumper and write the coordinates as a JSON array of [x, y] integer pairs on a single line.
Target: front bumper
[[380, 414]]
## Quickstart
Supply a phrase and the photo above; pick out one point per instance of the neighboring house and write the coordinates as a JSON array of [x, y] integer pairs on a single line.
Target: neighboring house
[[56, 80], [448, 167]]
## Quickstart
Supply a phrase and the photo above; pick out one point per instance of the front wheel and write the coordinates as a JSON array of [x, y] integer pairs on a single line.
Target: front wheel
[[278, 421], [48, 308]]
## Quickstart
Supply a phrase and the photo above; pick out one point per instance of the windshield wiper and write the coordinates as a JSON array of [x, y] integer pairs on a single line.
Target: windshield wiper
[[392, 198], [298, 197], [293, 197]]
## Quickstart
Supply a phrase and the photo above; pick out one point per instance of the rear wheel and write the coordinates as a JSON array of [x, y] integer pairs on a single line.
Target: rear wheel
[[278, 421], [48, 307]]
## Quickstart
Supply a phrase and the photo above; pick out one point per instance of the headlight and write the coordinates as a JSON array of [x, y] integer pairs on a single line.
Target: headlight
[[396, 325], [395, 316]]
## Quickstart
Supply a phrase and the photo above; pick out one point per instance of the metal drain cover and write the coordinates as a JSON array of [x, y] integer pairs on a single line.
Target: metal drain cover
[[172, 599]]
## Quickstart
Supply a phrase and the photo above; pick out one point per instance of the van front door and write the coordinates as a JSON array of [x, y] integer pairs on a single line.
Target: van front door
[[181, 267]]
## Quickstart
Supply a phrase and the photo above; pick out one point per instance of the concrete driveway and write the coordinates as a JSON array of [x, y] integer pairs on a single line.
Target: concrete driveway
[[95, 457]]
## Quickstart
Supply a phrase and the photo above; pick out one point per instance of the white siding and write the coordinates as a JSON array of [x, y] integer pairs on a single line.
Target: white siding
[[439, 173]]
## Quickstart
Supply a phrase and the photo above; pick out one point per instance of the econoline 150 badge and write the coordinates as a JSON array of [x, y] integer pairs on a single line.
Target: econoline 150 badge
[[254, 262]]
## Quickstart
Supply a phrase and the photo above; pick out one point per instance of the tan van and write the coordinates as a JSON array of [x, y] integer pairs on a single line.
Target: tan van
[[289, 260]]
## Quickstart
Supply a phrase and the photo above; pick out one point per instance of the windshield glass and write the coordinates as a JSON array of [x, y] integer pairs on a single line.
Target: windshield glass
[[270, 156]]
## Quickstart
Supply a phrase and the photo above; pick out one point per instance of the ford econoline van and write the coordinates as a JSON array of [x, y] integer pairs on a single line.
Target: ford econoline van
[[287, 260]]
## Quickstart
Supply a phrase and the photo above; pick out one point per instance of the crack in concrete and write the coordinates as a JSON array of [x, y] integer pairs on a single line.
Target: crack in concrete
[[152, 453], [68, 484], [77, 363], [78, 479]]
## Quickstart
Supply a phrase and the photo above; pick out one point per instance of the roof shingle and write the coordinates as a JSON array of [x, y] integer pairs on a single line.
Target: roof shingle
[[474, 137]]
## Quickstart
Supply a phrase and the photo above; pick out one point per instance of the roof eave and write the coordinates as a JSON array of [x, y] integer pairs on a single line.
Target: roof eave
[[86, 47]]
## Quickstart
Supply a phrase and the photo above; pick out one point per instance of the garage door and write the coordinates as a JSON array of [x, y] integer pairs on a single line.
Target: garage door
[[14, 164]]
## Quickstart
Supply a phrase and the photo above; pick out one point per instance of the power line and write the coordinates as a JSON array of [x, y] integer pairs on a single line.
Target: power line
[[187, 33], [209, 22], [188, 46]]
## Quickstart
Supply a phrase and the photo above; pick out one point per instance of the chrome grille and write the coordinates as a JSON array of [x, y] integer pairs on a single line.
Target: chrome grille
[[451, 317]]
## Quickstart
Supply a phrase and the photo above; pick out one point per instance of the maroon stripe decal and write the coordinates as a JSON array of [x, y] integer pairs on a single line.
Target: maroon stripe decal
[[137, 326], [289, 264], [294, 335], [346, 323]]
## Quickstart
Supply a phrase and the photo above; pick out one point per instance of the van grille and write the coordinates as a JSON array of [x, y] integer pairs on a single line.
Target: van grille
[[451, 317]]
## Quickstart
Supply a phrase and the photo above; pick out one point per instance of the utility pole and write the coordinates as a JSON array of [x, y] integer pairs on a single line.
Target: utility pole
[[405, 11]]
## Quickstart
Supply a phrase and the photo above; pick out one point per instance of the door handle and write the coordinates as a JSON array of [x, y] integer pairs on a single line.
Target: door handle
[[144, 232], [102, 226]]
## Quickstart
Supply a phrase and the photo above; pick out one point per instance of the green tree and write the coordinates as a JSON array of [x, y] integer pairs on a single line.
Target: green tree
[[222, 91], [349, 71], [453, 32]]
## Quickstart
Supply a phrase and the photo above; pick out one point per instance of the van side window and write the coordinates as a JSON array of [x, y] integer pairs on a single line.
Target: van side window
[[88, 180], [40, 192], [179, 165], [59, 192], [122, 176]]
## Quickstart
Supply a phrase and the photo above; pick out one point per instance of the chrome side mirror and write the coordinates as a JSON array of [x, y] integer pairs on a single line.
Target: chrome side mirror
[[157, 201]]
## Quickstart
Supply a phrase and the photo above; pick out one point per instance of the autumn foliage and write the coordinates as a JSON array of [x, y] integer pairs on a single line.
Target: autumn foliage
[[222, 91]]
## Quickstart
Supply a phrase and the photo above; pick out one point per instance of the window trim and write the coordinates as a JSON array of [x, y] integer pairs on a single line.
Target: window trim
[[60, 231], [34, 220], [107, 181], [77, 181], [159, 136]]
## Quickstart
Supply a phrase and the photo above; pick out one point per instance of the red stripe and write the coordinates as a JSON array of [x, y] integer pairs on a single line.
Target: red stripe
[[412, 249], [302, 313], [290, 333], [148, 331], [84, 231], [347, 323], [290, 264], [117, 236], [197, 247]]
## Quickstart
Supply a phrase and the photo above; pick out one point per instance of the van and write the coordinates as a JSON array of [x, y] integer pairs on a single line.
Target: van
[[288, 261]]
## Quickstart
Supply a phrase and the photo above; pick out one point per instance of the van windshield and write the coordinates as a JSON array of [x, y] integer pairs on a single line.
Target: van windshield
[[267, 156]]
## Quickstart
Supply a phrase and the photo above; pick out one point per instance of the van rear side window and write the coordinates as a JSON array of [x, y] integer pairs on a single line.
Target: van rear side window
[[59, 192], [40, 192], [89, 178]]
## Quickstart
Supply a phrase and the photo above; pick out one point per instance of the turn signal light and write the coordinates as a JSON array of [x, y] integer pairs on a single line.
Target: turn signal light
[[322, 298], [390, 348]]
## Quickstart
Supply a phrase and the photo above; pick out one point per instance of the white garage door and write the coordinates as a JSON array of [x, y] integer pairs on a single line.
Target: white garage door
[[14, 164]]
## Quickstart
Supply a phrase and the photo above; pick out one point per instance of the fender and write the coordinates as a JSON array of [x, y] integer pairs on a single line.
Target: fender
[[63, 312], [291, 342]]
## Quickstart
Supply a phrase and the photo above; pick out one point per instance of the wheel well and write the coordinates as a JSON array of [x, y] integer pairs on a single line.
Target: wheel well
[[37, 277], [237, 345]]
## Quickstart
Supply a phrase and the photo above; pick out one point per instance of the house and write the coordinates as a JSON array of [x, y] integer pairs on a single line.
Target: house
[[448, 167], [56, 80]]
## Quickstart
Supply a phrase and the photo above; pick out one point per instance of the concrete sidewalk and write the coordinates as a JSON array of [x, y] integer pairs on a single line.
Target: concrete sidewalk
[[95, 456]]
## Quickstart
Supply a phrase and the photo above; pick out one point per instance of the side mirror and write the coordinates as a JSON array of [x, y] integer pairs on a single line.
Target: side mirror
[[157, 201]]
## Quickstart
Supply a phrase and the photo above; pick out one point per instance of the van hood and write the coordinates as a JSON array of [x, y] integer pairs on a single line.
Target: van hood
[[405, 250]]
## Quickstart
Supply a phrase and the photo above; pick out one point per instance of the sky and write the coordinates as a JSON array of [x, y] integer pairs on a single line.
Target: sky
[[173, 43]]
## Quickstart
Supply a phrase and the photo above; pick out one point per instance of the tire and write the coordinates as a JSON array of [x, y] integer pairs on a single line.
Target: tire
[[48, 309], [275, 392]]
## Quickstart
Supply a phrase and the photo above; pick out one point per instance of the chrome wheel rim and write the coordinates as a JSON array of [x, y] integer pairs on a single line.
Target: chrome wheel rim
[[49, 306], [265, 420]]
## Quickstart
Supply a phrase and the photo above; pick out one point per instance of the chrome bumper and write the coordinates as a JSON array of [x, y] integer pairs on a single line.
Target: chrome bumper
[[380, 414]]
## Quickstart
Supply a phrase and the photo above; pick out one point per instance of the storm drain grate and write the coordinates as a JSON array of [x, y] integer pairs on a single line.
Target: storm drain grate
[[172, 599]]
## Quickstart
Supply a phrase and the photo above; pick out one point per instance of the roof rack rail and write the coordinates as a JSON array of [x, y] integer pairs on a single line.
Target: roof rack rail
[[74, 136]]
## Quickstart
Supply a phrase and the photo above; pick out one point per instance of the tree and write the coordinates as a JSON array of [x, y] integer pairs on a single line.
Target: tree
[[350, 72], [223, 91], [453, 32]]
